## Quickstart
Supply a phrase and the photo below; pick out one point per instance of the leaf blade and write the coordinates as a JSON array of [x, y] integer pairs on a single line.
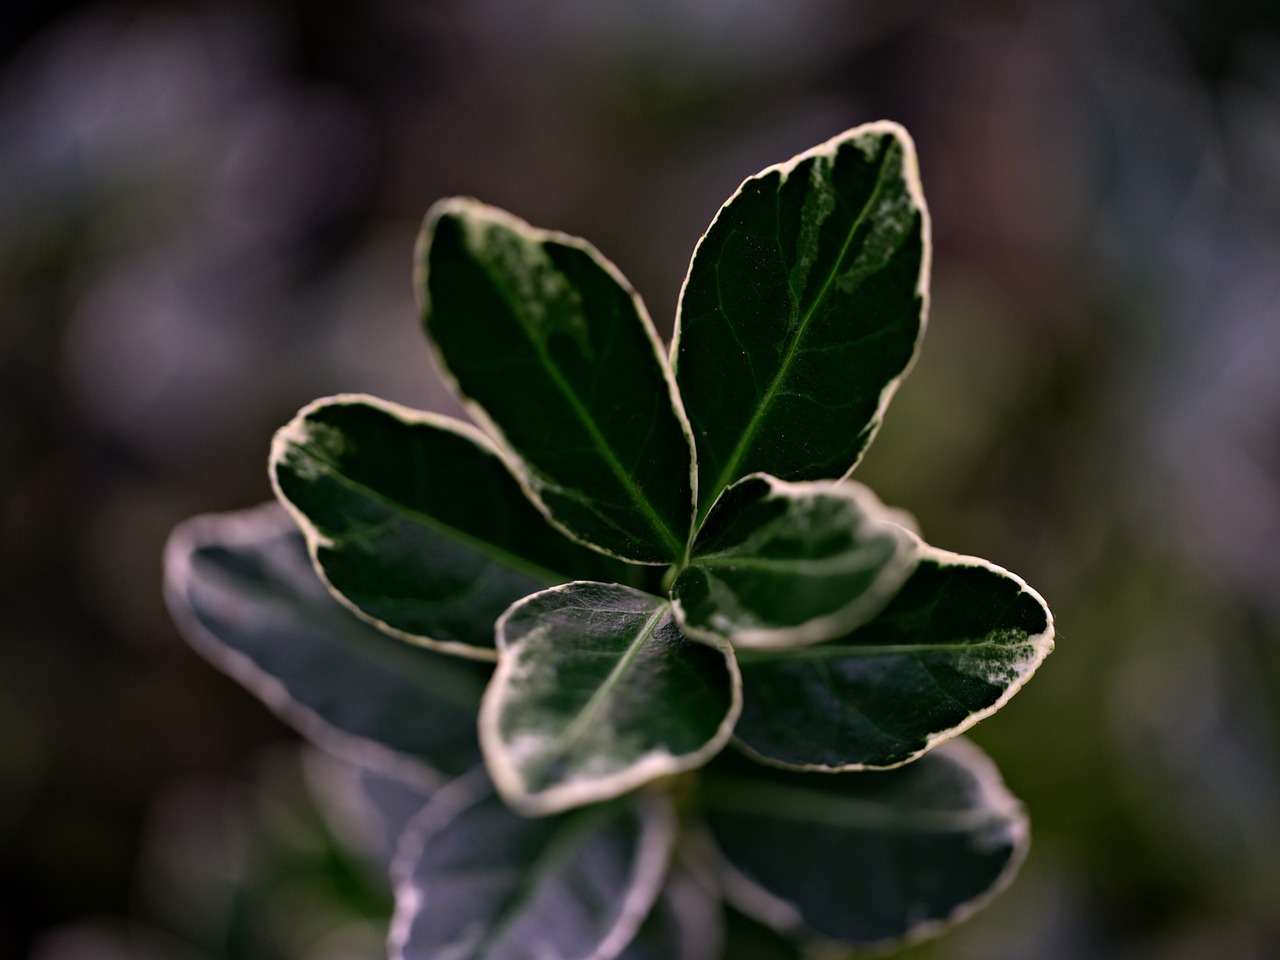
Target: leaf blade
[[597, 692], [868, 859], [242, 590], [474, 881], [781, 564], [555, 355], [803, 309], [414, 522], [958, 640]]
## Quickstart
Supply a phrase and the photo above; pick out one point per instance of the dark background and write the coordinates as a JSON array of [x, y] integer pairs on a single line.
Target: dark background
[[206, 219]]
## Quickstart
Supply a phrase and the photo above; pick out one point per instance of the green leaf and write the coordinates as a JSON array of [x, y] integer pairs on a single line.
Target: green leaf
[[241, 587], [477, 882], [866, 858], [956, 642], [415, 522], [780, 564], [555, 356], [803, 309], [597, 692]]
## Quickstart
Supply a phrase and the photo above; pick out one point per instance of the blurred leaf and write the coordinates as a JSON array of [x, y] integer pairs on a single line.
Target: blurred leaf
[[366, 809], [956, 642], [597, 692], [685, 924], [416, 523], [474, 880], [866, 858], [779, 564], [803, 308], [243, 591], [559, 361]]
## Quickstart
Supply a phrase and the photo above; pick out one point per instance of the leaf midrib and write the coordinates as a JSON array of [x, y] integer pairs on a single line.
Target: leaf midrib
[[848, 561], [669, 537], [561, 744], [828, 651], [728, 473], [554, 855], [801, 805]]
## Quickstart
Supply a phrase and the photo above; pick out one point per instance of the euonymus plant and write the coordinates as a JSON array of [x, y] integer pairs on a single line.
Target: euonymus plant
[[717, 682]]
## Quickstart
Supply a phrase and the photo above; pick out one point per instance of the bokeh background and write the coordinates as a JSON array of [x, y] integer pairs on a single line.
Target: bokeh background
[[207, 212]]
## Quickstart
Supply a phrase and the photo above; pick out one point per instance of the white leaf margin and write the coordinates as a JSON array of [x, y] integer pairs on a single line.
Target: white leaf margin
[[653, 765]]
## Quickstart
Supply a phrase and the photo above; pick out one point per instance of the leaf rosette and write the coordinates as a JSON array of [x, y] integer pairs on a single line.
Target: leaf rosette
[[642, 556]]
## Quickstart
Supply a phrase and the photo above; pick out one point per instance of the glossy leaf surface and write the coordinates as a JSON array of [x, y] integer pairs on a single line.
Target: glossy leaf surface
[[781, 564], [558, 360], [416, 523], [597, 692], [477, 882], [956, 642], [803, 308], [866, 858], [241, 587]]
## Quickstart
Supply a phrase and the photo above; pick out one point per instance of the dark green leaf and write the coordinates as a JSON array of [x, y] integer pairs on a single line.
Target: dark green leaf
[[416, 523], [956, 642], [558, 359], [803, 309], [241, 587], [597, 692], [866, 858], [477, 882], [781, 564]]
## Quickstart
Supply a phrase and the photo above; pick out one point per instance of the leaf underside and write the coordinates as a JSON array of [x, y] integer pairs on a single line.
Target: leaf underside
[[416, 522], [867, 858], [597, 691], [244, 592], [478, 882], [779, 564], [803, 308], [958, 639], [559, 361]]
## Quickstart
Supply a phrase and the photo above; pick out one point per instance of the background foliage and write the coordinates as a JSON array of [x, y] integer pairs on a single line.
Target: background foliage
[[206, 213]]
